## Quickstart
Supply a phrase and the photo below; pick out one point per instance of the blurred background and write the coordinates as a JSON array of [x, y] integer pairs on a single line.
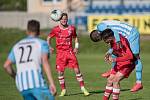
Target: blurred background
[[84, 14]]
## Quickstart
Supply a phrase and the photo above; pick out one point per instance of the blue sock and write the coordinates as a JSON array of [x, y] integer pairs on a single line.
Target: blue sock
[[139, 68]]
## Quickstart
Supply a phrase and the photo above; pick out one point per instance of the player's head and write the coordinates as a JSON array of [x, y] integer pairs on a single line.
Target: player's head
[[33, 27], [107, 36], [64, 19], [95, 36]]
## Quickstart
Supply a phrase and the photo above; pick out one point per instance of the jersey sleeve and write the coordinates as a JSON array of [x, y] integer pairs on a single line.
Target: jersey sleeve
[[74, 32], [52, 33], [11, 56], [45, 47], [127, 53]]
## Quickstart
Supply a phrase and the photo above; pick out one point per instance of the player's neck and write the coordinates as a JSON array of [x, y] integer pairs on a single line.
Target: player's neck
[[63, 26]]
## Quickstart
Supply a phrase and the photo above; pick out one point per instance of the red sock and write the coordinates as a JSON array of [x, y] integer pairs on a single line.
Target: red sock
[[107, 92], [105, 98], [62, 82], [116, 93], [80, 79]]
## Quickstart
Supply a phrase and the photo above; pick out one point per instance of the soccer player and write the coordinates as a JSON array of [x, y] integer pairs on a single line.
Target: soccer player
[[132, 34], [31, 55], [65, 54], [124, 64]]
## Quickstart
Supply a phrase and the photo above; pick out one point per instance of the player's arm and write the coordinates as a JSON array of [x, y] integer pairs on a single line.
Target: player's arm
[[47, 67], [76, 45], [76, 40], [49, 38], [8, 65]]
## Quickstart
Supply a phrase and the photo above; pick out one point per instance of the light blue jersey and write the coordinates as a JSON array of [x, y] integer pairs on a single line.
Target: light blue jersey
[[128, 31], [26, 54]]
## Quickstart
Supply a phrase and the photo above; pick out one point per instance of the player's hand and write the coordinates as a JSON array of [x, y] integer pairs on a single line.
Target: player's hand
[[75, 50], [106, 58], [112, 59], [52, 89], [51, 50]]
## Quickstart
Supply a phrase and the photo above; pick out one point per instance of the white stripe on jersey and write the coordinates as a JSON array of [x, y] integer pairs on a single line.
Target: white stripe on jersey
[[30, 79], [24, 81], [28, 60], [120, 26]]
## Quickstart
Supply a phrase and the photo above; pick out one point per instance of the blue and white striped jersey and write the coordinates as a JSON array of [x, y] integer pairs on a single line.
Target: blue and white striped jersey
[[26, 54], [117, 27]]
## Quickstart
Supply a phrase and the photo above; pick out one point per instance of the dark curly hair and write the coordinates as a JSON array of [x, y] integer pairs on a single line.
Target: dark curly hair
[[107, 33]]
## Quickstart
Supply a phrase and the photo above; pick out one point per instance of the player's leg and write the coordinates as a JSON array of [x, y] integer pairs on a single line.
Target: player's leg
[[73, 63], [60, 67], [109, 87], [79, 78], [107, 74], [62, 83], [116, 85], [138, 85], [134, 41]]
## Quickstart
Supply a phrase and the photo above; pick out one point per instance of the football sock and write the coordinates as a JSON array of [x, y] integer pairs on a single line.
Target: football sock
[[62, 82], [116, 93], [138, 70], [107, 92], [80, 79]]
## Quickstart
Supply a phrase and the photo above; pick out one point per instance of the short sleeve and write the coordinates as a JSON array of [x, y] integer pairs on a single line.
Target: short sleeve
[[52, 33], [11, 56], [45, 47], [74, 32]]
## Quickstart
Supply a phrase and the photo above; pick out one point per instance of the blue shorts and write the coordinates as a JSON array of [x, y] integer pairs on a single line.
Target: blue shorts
[[134, 41], [37, 94]]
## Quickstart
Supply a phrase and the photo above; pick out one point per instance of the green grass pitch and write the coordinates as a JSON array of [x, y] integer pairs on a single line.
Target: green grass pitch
[[91, 64]]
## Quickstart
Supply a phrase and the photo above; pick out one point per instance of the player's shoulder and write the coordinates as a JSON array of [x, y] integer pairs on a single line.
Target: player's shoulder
[[56, 27], [41, 41], [72, 27]]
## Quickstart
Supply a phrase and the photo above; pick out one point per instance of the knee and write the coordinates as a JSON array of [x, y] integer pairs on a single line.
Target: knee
[[109, 82], [60, 74], [116, 81], [77, 71]]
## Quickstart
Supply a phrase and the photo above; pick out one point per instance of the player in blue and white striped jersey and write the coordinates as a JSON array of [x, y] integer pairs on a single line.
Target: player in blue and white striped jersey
[[31, 56], [133, 36]]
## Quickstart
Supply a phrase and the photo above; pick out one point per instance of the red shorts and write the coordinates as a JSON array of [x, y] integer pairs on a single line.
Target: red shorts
[[66, 59], [125, 69]]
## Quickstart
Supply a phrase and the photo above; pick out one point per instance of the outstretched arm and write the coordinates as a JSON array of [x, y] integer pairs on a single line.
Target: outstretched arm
[[49, 43]]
